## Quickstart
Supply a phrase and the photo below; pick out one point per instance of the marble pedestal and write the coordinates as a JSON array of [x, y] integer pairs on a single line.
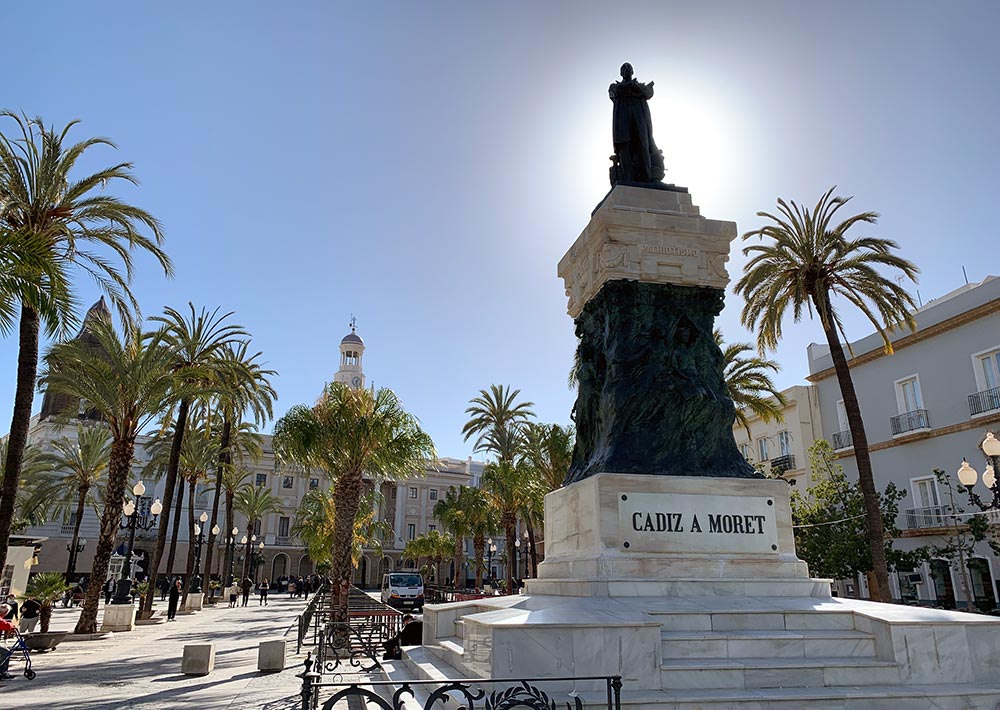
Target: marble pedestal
[[119, 617], [195, 601]]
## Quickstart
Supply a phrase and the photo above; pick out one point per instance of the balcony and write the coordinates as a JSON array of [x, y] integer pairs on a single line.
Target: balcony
[[985, 401], [842, 440], [282, 540], [935, 516], [783, 463], [910, 421]]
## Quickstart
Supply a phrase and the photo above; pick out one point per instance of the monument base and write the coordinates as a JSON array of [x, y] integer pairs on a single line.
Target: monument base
[[708, 613], [118, 617]]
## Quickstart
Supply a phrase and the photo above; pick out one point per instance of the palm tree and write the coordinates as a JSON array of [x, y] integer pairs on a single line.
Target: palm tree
[[234, 479], [508, 487], [254, 502], [55, 220], [497, 419], [242, 385], [195, 340], [349, 433], [46, 588], [128, 384], [749, 384], [315, 523], [549, 449], [197, 456], [451, 511], [36, 490], [806, 261], [481, 523], [78, 464]]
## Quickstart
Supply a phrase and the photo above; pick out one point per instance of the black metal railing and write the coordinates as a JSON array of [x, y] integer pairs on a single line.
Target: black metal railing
[[783, 463], [358, 642], [842, 440], [465, 693], [934, 516], [985, 401], [910, 421]]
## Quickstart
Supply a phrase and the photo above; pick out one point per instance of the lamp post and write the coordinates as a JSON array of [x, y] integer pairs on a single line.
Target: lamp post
[[517, 559], [199, 540], [123, 594], [231, 551], [256, 559], [968, 476], [215, 536], [74, 550], [527, 558], [246, 556], [491, 548]]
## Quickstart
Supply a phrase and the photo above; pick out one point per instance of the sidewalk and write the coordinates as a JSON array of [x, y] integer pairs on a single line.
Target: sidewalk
[[142, 668]]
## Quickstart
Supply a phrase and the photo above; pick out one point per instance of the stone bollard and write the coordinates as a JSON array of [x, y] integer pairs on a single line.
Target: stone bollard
[[271, 656], [199, 659]]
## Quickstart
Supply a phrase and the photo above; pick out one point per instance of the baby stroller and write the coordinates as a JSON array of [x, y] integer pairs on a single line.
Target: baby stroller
[[19, 647]]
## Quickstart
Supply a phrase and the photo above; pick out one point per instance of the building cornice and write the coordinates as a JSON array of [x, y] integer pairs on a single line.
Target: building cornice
[[906, 341]]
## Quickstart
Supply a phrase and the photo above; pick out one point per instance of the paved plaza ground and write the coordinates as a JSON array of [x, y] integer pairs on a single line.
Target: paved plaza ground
[[142, 668]]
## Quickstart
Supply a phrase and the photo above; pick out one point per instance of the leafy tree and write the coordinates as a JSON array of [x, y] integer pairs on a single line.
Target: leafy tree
[[433, 545], [804, 263], [830, 522], [195, 340], [349, 433], [497, 421], [53, 223], [128, 384], [78, 466], [46, 588], [452, 511], [254, 502], [234, 479], [315, 524], [749, 383], [509, 487], [481, 523]]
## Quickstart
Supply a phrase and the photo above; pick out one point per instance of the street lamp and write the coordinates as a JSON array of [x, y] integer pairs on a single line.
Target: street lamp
[[246, 556], [74, 550], [491, 548], [199, 539], [256, 559], [968, 476], [527, 549], [231, 551], [123, 595], [517, 558], [215, 536]]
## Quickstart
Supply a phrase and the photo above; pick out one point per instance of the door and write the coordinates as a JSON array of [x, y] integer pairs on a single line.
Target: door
[[943, 587]]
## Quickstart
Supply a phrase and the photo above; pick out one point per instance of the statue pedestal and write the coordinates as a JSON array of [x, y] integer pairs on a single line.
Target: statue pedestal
[[118, 617], [195, 601]]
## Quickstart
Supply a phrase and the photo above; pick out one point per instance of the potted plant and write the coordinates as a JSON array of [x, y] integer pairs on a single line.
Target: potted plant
[[214, 585], [45, 588]]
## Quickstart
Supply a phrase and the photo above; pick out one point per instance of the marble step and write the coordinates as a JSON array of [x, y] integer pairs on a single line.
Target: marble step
[[801, 643], [694, 673], [460, 628], [742, 619], [711, 587]]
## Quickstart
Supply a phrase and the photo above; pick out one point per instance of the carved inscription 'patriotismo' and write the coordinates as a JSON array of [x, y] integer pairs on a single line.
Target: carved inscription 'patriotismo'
[[669, 251]]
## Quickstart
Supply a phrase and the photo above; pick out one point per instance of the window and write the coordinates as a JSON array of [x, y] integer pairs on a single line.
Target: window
[[434, 494], [925, 492], [287, 482], [256, 527], [908, 397], [261, 479], [283, 523], [784, 443], [432, 527], [842, 416], [413, 493], [411, 531], [988, 370], [313, 484], [747, 451], [762, 449], [392, 493]]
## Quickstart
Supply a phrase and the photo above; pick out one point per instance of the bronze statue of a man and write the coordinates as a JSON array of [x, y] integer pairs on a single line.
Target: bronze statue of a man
[[637, 159]]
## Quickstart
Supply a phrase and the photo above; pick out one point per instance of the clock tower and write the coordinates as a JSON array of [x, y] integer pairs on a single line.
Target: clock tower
[[352, 347]]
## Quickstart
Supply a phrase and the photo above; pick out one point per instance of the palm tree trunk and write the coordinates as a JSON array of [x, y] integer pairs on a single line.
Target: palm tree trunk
[[227, 562], [24, 394], [223, 462], [509, 523], [189, 567], [873, 512], [119, 467], [531, 547], [348, 497], [479, 549], [168, 495], [71, 563], [176, 531], [459, 553]]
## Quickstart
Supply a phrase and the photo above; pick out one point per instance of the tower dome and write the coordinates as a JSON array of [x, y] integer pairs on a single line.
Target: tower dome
[[352, 348]]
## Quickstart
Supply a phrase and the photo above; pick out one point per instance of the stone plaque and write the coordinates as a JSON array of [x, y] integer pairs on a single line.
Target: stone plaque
[[656, 522]]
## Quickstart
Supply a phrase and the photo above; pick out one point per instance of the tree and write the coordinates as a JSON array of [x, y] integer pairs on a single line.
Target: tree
[[509, 487], [451, 510], [254, 502], [749, 383], [497, 421], [128, 385], [349, 433], [197, 456], [57, 223], [242, 386], [830, 522], [481, 524], [548, 449], [35, 491], [315, 524], [79, 464], [195, 340], [46, 588], [807, 261], [233, 481]]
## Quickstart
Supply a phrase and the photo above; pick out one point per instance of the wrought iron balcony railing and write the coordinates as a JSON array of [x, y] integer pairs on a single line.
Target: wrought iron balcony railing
[[910, 421], [783, 463], [842, 440], [935, 516], [985, 401]]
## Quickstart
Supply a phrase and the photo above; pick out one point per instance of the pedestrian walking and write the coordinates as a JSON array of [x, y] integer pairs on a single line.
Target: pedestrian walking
[[263, 589], [31, 609], [300, 586], [246, 587], [291, 588], [164, 588], [109, 589], [233, 591], [174, 598]]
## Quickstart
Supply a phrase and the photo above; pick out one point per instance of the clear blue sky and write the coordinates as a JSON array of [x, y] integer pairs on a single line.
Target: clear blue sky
[[425, 165]]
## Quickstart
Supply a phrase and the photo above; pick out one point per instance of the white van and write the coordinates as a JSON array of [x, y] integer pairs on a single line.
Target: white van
[[403, 590]]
